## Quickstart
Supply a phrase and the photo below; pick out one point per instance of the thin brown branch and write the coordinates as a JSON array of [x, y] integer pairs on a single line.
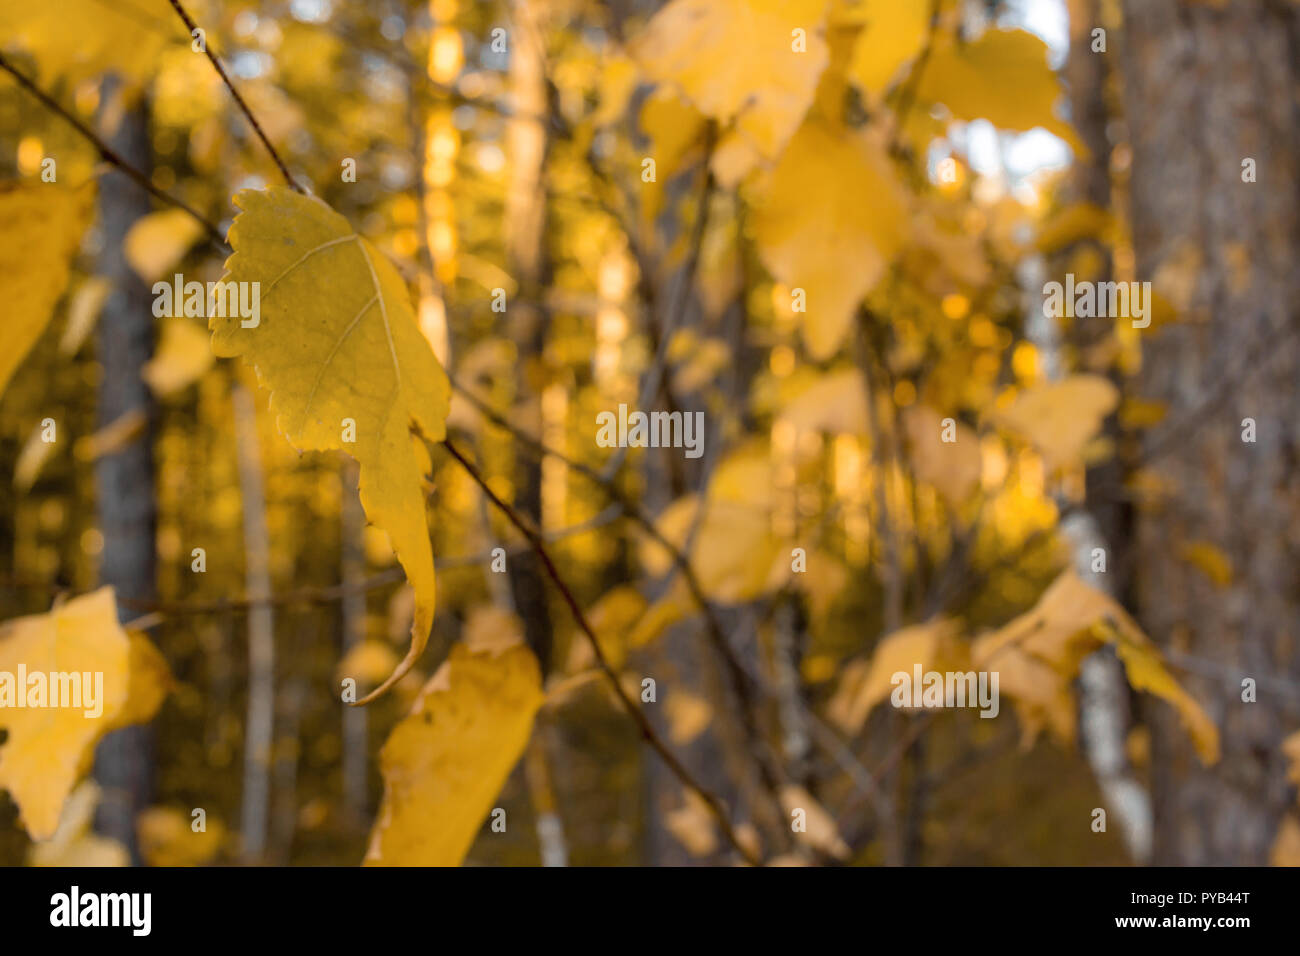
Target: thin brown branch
[[108, 154], [643, 723], [239, 100]]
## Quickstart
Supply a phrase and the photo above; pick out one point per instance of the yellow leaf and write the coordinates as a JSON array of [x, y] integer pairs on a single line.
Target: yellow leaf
[[835, 402], [444, 764], [83, 312], [1286, 848], [673, 606], [612, 618], [156, 242], [892, 35], [1209, 560], [863, 684], [47, 746], [1060, 418], [74, 843], [109, 37], [693, 826], [148, 682], [1003, 77], [954, 468], [167, 838], [829, 221], [1080, 220], [492, 630], [735, 61], [732, 550], [181, 359], [368, 663], [338, 340], [688, 715], [35, 453], [1069, 622], [40, 228], [819, 826], [1291, 749]]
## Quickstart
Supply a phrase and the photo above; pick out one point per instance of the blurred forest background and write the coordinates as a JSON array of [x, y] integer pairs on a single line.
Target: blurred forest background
[[829, 226]]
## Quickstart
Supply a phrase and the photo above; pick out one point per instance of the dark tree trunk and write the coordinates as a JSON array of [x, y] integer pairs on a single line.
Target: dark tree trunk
[[125, 478], [1206, 88]]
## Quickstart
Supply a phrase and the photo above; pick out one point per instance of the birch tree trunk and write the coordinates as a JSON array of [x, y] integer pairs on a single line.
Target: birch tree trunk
[[1206, 88], [124, 478]]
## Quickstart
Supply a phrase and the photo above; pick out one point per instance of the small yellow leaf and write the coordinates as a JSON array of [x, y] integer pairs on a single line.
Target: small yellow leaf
[[863, 685], [816, 235], [819, 829], [1209, 560], [83, 312], [367, 662], [1060, 418], [156, 242], [1291, 750], [35, 453], [338, 342], [1003, 77], [732, 549], [735, 60], [167, 838], [693, 826], [892, 35], [1069, 622], [954, 468], [74, 843], [444, 764], [1286, 847], [688, 715], [182, 357], [835, 402], [47, 746], [40, 228]]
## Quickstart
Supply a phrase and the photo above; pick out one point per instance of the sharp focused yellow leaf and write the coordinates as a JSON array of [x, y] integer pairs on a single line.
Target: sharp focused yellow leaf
[[338, 342], [1060, 418], [892, 35], [1003, 77], [444, 764], [40, 228], [833, 242], [735, 60], [48, 746], [156, 242], [183, 355]]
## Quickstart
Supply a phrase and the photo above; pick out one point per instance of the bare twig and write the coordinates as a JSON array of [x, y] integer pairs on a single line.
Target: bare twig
[[239, 100], [108, 154], [643, 724]]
